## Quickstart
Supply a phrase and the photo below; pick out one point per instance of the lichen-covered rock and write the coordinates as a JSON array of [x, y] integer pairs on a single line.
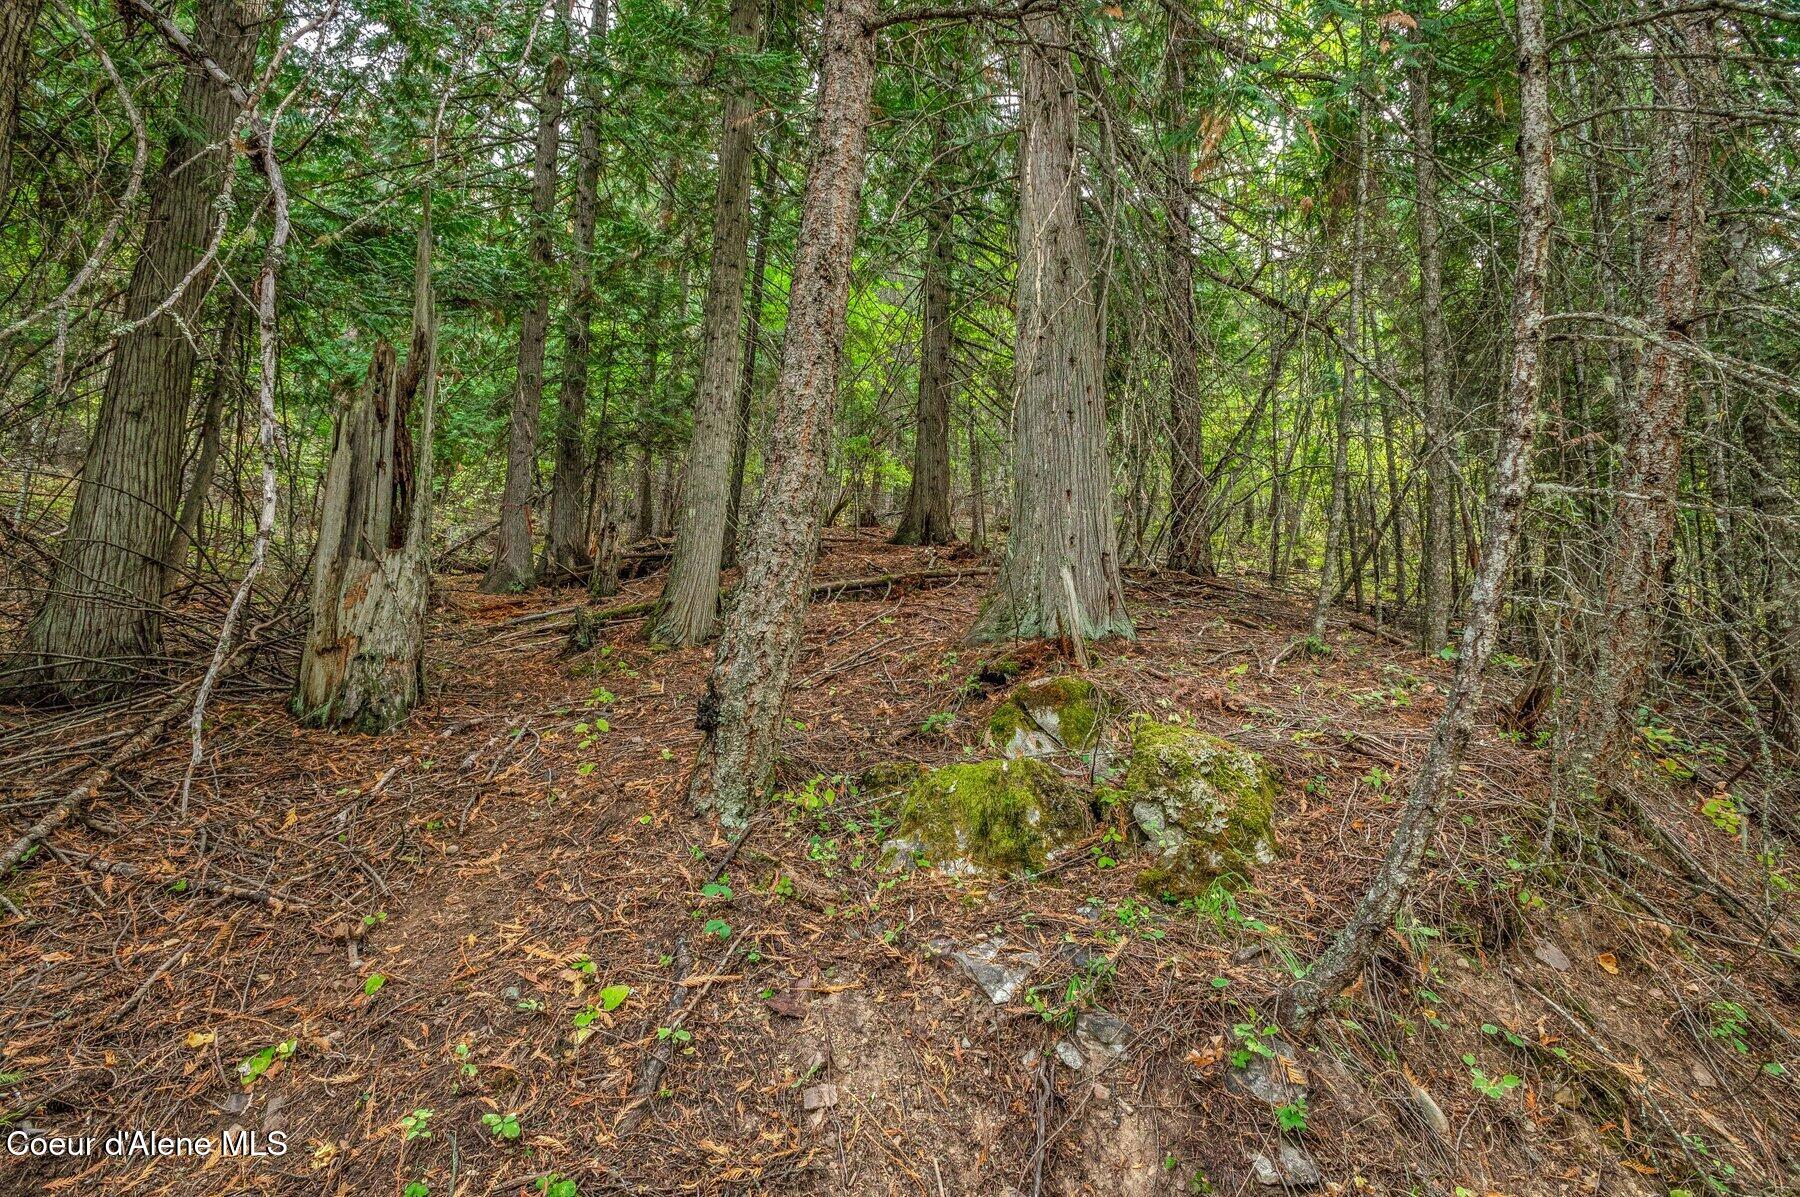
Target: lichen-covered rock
[[1203, 804], [1059, 714], [1005, 816]]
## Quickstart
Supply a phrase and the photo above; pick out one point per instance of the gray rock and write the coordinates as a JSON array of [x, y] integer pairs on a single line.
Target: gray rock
[[1552, 955], [1292, 1168], [1270, 1080], [1069, 1054], [1001, 974], [1102, 1037]]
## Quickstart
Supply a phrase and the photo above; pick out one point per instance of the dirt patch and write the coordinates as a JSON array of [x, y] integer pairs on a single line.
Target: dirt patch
[[517, 867]]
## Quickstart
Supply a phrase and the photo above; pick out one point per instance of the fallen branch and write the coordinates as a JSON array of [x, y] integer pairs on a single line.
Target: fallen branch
[[559, 619], [96, 776], [276, 902]]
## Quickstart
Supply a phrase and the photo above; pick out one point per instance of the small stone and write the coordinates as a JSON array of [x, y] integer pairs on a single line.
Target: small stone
[[1292, 1168], [1102, 1037], [1077, 955], [817, 1097], [1552, 955], [1068, 1053], [1103, 1028], [1276, 1080], [1000, 975], [1430, 1111]]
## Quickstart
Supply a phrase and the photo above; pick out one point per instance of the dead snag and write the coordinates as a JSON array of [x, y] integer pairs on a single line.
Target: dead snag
[[362, 666]]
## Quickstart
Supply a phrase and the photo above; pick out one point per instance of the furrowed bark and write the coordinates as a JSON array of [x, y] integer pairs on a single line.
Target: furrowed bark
[[1339, 965], [513, 568], [926, 518], [1628, 611], [741, 710], [1439, 443], [1062, 526], [566, 542], [18, 21], [100, 625], [1337, 515], [689, 605], [1190, 537]]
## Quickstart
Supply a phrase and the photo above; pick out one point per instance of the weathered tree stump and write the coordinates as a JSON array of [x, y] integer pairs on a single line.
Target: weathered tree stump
[[362, 666]]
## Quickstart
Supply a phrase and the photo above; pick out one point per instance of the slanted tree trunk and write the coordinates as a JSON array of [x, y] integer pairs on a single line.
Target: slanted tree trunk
[[1190, 538], [18, 21], [1337, 515], [926, 517], [566, 540], [1628, 610], [1440, 479], [688, 608], [363, 663], [101, 622], [1340, 964], [1060, 575], [513, 568], [741, 710]]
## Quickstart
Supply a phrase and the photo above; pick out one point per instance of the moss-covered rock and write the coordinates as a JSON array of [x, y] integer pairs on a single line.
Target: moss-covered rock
[[1204, 805], [1059, 714], [1005, 816], [888, 779]]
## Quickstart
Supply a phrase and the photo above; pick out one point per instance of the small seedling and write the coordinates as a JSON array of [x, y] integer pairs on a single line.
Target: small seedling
[[416, 1125], [506, 1127]]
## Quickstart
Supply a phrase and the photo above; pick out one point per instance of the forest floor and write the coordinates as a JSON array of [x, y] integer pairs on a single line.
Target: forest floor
[[461, 954]]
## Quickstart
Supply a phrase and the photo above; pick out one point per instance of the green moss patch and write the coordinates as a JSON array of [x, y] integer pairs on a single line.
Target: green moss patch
[[1204, 805], [1004, 816], [1058, 714]]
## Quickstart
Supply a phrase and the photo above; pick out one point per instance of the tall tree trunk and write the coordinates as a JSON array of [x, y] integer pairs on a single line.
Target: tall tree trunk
[[1190, 537], [1773, 459], [741, 710], [18, 21], [363, 662], [926, 518], [566, 541], [1628, 610], [1339, 965], [740, 444], [643, 525], [513, 568], [977, 487], [1060, 575], [686, 612], [1440, 477], [185, 543], [101, 622], [1337, 514]]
